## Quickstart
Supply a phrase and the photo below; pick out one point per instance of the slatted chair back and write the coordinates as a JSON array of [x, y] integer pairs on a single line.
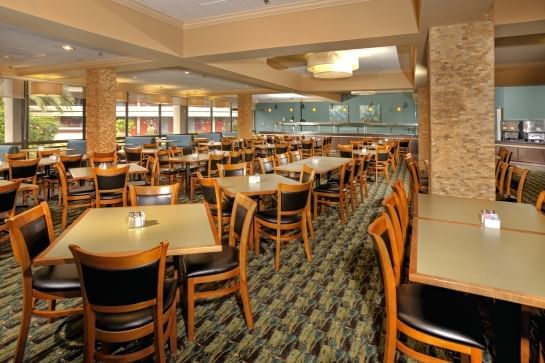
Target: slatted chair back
[[281, 148], [111, 185], [307, 174], [282, 159], [295, 156], [15, 156], [213, 161], [133, 155], [501, 175], [345, 150], [234, 157]]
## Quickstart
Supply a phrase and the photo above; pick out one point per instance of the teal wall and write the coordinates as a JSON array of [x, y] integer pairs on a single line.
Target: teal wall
[[521, 103], [264, 120]]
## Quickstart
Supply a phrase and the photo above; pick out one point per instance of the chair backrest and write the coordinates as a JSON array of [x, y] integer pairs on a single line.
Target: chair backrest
[[382, 153], [109, 160], [232, 169], [8, 196], [282, 159], [213, 201], [15, 156], [540, 202], [391, 205], [307, 144], [266, 165], [356, 144], [213, 161], [110, 179], [176, 151], [152, 164], [292, 198], [154, 194], [281, 148], [133, 154], [345, 151], [248, 155], [295, 155], [399, 189], [31, 232], [383, 237], [104, 154], [307, 174], [234, 157], [48, 153], [239, 229], [122, 283], [61, 173], [348, 175], [227, 145], [515, 182], [501, 174], [71, 161], [23, 169], [415, 177]]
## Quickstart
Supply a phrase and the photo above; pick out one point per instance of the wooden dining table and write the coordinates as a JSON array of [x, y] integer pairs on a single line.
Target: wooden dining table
[[321, 164], [86, 172], [106, 230], [451, 249], [267, 185]]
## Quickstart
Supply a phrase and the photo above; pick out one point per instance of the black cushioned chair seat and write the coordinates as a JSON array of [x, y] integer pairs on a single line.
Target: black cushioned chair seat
[[227, 208], [136, 319], [107, 196], [204, 264], [440, 313], [59, 278], [328, 188], [269, 215], [81, 191]]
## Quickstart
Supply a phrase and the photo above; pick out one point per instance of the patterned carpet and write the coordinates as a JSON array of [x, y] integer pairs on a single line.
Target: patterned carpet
[[330, 310]]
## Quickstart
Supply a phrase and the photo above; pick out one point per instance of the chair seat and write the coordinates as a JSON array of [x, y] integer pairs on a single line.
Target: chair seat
[[136, 319], [328, 188], [270, 216], [80, 191], [227, 208], [441, 313], [108, 196], [505, 198], [204, 264], [59, 278]]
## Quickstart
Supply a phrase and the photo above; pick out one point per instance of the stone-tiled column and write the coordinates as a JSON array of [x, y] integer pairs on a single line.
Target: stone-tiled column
[[424, 141], [100, 100], [461, 81], [245, 116]]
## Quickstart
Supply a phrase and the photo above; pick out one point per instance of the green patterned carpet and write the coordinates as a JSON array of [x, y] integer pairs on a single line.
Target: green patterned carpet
[[330, 310]]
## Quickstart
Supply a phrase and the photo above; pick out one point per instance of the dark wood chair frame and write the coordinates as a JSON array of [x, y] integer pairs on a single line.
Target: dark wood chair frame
[[8, 197], [70, 200], [171, 190], [106, 173], [340, 198], [521, 173], [232, 169]]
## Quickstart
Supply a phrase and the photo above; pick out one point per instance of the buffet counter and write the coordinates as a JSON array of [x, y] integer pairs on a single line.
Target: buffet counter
[[524, 152]]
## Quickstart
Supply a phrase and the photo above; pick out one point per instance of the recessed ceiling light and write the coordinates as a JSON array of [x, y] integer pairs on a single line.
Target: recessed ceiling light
[[212, 2], [134, 77], [186, 72], [68, 47]]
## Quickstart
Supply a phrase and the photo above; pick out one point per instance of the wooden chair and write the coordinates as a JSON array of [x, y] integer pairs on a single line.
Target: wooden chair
[[514, 187], [404, 147], [218, 209], [281, 148], [227, 145], [71, 161], [154, 194], [25, 172], [126, 298], [232, 169], [248, 158], [403, 208], [166, 168], [288, 221], [336, 194], [266, 165], [345, 151], [8, 197], [110, 186], [392, 206], [500, 176], [229, 264], [307, 175], [109, 161], [307, 148], [540, 202], [427, 314], [105, 154], [72, 198], [281, 159], [234, 157], [133, 155], [31, 233], [295, 156], [416, 185], [360, 175], [379, 162], [356, 144], [16, 156]]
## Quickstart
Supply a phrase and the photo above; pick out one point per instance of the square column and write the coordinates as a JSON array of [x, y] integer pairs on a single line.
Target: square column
[[100, 92], [245, 116]]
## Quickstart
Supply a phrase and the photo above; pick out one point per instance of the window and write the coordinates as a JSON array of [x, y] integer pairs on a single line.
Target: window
[[56, 117], [143, 116], [167, 119], [199, 116], [222, 116]]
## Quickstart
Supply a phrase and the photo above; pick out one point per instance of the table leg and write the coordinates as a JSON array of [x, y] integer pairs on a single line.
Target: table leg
[[187, 178], [506, 322]]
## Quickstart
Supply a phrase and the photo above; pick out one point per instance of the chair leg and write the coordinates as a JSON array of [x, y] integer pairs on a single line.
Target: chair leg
[[89, 340], [309, 223], [173, 340], [305, 239], [257, 229], [277, 252], [25, 325], [190, 318], [245, 296], [64, 220], [51, 305], [159, 340]]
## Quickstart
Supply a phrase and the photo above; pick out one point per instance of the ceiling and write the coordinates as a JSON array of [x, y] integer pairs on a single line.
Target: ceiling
[[220, 48]]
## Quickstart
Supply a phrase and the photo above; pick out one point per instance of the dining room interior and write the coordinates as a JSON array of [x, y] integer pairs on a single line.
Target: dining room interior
[[272, 180]]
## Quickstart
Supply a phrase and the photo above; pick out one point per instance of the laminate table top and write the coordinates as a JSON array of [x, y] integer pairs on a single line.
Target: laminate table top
[[105, 230], [513, 216], [321, 164], [86, 172], [4, 165], [268, 184]]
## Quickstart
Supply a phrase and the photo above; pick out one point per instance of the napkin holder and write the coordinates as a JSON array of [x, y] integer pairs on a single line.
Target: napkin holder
[[137, 219], [254, 179], [490, 219]]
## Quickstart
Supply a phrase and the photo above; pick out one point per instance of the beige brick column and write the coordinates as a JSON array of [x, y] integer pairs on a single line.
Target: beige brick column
[[245, 116], [100, 100], [461, 81], [423, 96]]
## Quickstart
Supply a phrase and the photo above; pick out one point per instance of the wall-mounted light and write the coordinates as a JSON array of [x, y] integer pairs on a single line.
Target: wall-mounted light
[[275, 106], [370, 105], [398, 108]]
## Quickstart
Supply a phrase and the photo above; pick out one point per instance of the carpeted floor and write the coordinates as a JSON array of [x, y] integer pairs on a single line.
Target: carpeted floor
[[329, 310]]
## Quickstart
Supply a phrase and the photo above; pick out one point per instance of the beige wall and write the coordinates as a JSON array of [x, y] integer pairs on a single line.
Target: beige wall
[[461, 76]]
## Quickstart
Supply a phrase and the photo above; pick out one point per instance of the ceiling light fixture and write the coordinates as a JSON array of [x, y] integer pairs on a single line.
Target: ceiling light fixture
[[186, 72], [330, 65], [370, 105], [68, 47]]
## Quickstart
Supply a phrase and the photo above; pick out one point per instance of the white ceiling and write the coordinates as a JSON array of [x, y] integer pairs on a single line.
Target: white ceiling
[[191, 10], [20, 48]]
